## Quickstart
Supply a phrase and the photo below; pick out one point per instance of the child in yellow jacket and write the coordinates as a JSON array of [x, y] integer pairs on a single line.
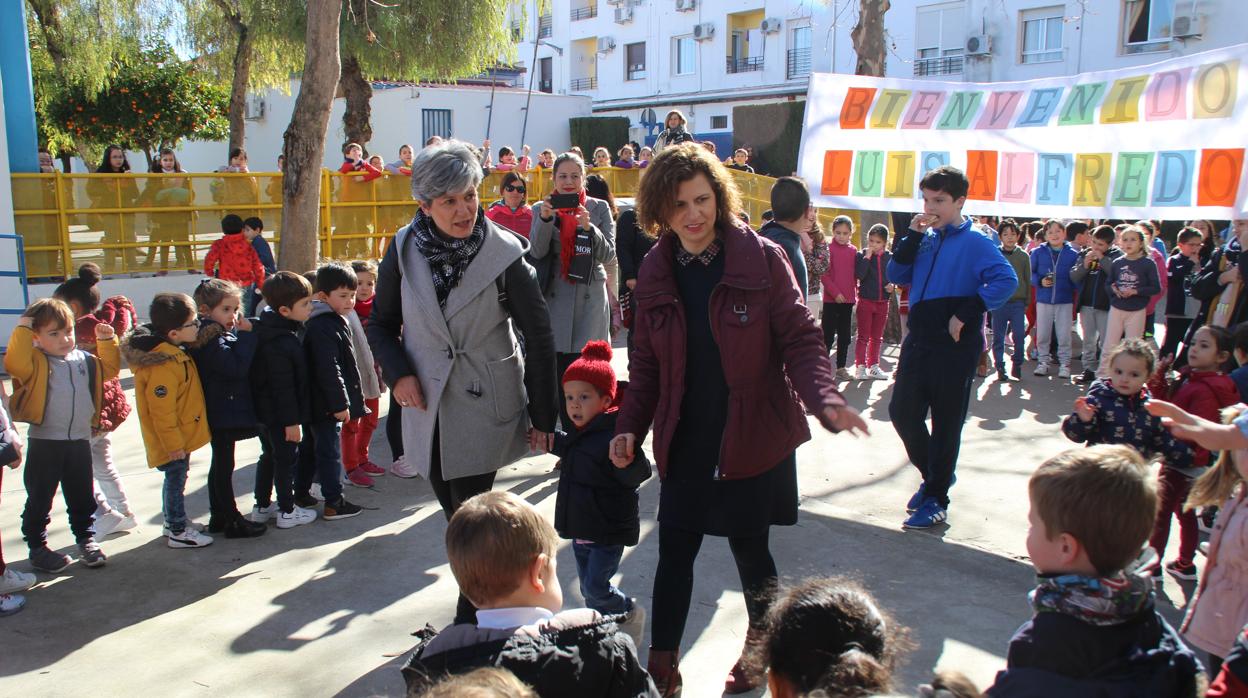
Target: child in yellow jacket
[[58, 390], [170, 401]]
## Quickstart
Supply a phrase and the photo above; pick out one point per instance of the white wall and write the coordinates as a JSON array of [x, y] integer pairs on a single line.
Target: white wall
[[396, 119]]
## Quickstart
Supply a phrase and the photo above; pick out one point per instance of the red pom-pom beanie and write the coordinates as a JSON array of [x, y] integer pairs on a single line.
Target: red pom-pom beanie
[[594, 367]]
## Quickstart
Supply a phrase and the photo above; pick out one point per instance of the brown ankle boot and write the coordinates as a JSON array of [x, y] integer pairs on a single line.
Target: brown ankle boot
[[664, 668], [744, 676]]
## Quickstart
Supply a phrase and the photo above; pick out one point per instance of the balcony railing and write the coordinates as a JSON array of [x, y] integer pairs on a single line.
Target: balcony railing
[[943, 65], [586, 12], [581, 84], [798, 64], [745, 65], [545, 27]]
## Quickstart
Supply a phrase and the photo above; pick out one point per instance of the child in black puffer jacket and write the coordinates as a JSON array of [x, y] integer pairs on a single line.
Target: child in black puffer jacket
[[596, 506]]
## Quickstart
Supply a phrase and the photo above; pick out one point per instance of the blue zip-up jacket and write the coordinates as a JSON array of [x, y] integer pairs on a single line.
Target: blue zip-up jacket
[[956, 270], [223, 358], [265, 253], [1044, 261], [792, 245]]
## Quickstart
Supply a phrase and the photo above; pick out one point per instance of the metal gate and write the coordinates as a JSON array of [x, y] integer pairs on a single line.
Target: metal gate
[[435, 122]]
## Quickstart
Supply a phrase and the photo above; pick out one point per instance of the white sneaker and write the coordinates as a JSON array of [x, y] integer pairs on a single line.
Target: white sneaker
[[14, 581], [190, 538], [1042, 369], [129, 522], [263, 514], [634, 623], [107, 523], [11, 603], [297, 517], [190, 525], [861, 373], [400, 468], [876, 374], [315, 491], [1063, 372]]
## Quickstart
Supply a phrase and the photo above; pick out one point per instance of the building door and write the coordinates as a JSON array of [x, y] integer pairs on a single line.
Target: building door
[[546, 80], [435, 122]]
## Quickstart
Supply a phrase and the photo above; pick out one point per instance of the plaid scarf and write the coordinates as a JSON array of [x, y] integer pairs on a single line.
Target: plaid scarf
[[448, 257]]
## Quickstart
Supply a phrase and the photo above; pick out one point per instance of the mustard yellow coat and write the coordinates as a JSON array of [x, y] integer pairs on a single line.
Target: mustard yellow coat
[[168, 395], [28, 367]]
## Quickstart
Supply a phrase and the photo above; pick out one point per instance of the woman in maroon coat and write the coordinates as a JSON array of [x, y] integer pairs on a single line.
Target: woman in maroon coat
[[720, 328]]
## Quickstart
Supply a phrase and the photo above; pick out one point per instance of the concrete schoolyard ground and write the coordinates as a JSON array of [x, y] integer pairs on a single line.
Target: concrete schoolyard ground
[[327, 609]]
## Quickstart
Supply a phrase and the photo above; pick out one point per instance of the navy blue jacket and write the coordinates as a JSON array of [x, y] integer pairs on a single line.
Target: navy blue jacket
[[792, 244], [331, 358], [1240, 376], [956, 270], [1181, 272], [872, 275], [224, 360], [265, 253], [1055, 654], [597, 501], [1045, 261], [1093, 292], [280, 380], [1122, 419]]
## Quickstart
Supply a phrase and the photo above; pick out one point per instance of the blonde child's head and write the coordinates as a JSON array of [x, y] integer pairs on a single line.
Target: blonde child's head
[[52, 321], [1218, 483], [219, 301], [502, 553], [1092, 509], [486, 682]]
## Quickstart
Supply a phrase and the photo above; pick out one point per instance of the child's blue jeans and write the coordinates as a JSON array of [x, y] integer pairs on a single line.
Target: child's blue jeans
[[320, 458], [1014, 316], [173, 495], [596, 564]]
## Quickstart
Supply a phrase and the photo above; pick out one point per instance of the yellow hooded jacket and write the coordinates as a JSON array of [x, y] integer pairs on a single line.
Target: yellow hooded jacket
[[168, 396], [28, 367]]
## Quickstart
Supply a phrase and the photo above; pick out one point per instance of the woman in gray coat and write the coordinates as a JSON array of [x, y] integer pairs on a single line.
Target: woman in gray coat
[[454, 293], [576, 290]]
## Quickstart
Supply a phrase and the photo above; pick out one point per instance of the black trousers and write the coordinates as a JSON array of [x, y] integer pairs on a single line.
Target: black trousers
[[394, 428], [278, 470], [221, 504], [836, 324], [1176, 330], [930, 383], [451, 496], [51, 464], [673, 581], [562, 362]]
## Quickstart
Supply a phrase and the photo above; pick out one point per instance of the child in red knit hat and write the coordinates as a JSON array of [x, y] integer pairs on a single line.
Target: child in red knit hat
[[596, 505]]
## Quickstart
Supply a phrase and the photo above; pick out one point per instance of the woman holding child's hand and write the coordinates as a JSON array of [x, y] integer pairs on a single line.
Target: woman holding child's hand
[[453, 293], [720, 324]]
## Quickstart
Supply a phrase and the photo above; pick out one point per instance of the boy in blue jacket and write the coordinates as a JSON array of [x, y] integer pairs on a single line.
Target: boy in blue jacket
[[955, 274], [1055, 295]]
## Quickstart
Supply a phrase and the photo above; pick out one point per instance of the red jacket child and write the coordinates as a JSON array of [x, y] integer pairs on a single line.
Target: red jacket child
[[118, 312], [234, 259]]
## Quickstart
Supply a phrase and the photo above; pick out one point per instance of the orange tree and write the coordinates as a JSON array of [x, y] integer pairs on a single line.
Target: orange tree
[[153, 99]]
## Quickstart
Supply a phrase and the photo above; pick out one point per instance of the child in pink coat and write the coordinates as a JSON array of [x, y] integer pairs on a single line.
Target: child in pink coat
[[840, 292]]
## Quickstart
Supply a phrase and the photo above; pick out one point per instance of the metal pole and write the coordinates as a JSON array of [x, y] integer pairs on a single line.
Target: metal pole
[[525, 127], [489, 120]]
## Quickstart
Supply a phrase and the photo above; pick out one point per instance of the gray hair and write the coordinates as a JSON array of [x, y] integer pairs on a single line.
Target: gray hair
[[450, 167]]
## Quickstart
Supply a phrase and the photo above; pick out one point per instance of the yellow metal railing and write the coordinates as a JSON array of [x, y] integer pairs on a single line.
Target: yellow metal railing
[[160, 223]]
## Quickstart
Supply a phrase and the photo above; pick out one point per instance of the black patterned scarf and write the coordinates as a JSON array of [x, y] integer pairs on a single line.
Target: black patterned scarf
[[448, 257]]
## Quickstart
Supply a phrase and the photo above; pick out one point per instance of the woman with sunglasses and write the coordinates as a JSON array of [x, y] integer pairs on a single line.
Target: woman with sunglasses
[[511, 212]]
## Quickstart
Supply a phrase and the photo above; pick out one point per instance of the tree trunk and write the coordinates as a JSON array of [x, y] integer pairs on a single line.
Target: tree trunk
[[868, 38], [242, 76], [304, 140], [357, 124], [48, 17]]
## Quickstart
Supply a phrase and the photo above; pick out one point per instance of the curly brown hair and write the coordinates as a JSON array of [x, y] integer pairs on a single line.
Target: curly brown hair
[[657, 193]]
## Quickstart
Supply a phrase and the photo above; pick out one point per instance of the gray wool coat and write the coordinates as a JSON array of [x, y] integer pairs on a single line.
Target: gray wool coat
[[466, 357], [578, 312]]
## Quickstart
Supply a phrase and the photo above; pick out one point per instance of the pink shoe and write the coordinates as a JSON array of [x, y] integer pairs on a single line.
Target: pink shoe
[[359, 478], [400, 468], [372, 468]]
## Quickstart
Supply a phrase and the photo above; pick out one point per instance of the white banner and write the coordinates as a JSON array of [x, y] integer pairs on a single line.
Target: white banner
[[1165, 140]]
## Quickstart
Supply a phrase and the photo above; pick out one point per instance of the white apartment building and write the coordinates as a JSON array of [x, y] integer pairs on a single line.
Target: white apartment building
[[640, 58]]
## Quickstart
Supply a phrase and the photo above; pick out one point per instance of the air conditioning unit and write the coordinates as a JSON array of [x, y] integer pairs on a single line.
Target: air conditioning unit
[[623, 15], [1185, 27], [978, 45], [254, 108], [771, 25], [605, 44], [704, 31], [686, 5]]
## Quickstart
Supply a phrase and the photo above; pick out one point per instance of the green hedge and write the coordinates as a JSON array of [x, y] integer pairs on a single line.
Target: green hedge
[[772, 133], [589, 132]]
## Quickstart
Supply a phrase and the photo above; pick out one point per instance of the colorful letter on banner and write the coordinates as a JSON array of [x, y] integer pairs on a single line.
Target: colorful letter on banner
[[1123, 103], [1053, 179], [1215, 90], [932, 159], [1131, 178], [856, 106], [1219, 176], [1018, 175], [923, 109], [1166, 96], [1172, 184], [888, 108], [1040, 106], [1081, 104], [1092, 178], [900, 174], [1000, 110], [962, 106], [836, 170], [981, 171], [868, 173]]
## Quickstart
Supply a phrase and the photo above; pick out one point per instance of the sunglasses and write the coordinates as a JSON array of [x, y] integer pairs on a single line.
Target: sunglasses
[[512, 187]]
